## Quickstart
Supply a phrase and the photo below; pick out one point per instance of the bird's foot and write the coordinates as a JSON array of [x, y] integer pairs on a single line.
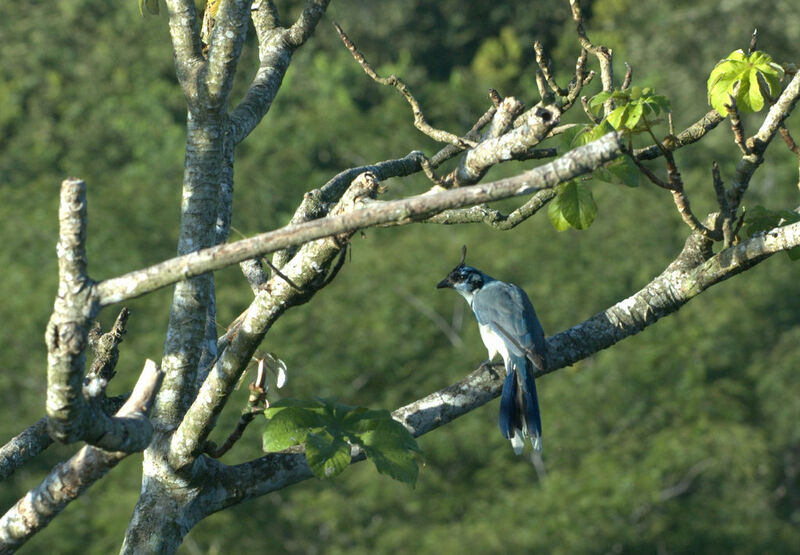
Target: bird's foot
[[487, 365]]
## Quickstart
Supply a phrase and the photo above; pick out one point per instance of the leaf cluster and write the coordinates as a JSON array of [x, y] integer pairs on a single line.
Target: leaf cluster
[[634, 108], [746, 77], [329, 429]]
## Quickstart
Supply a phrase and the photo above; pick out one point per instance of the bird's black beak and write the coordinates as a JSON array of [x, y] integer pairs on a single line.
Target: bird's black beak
[[449, 280]]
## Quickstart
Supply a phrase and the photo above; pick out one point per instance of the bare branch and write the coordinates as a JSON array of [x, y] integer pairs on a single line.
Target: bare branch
[[573, 164], [275, 48], [71, 417], [70, 479], [736, 125], [603, 54], [478, 160], [692, 272], [302, 29], [308, 270], [473, 134], [393, 81], [512, 145], [227, 39], [691, 134]]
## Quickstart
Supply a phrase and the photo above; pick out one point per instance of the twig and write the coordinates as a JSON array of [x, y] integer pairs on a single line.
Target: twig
[[722, 201], [691, 134], [393, 81], [580, 80], [736, 125], [626, 82], [787, 138], [682, 201], [256, 403], [603, 54], [473, 134], [585, 103], [544, 66]]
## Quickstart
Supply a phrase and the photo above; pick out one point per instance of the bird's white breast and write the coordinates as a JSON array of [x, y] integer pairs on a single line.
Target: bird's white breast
[[494, 343]]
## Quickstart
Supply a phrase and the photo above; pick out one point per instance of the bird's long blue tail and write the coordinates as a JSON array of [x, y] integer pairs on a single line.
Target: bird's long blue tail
[[519, 409]]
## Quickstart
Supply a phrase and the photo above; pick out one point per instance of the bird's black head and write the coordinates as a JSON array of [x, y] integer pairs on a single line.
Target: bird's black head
[[463, 278]]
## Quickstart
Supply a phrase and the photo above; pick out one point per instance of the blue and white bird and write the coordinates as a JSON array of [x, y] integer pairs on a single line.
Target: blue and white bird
[[508, 325]]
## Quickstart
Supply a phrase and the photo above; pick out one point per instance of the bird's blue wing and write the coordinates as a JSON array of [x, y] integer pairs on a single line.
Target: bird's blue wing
[[509, 312]]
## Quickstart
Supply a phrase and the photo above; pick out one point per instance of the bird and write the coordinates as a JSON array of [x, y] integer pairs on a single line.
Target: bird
[[509, 326]]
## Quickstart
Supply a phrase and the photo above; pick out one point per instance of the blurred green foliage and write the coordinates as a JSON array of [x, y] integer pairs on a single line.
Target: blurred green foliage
[[682, 439]]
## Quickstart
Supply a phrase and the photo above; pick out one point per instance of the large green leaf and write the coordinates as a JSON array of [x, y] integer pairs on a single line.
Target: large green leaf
[[622, 170], [738, 75], [393, 450], [328, 428], [289, 426], [574, 206], [327, 455]]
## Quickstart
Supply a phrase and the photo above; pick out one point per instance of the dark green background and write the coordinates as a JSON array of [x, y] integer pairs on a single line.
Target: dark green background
[[708, 398]]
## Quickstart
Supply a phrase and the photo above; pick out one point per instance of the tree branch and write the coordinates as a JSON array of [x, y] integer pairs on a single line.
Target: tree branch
[[70, 479], [275, 48], [393, 81], [691, 134], [185, 33], [225, 46], [304, 275], [691, 273], [573, 164], [758, 143]]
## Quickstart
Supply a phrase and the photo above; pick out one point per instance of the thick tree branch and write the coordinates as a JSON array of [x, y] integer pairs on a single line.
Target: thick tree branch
[[227, 39], [275, 48], [70, 479], [692, 272], [306, 273], [185, 33], [573, 164], [35, 439], [70, 416]]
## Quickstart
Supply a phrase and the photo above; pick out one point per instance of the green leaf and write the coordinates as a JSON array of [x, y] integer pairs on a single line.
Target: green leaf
[[596, 132], [328, 427], [571, 137], [617, 118], [622, 170], [738, 75], [150, 5], [327, 455], [288, 427], [759, 219], [574, 205], [597, 101], [393, 451], [556, 217]]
